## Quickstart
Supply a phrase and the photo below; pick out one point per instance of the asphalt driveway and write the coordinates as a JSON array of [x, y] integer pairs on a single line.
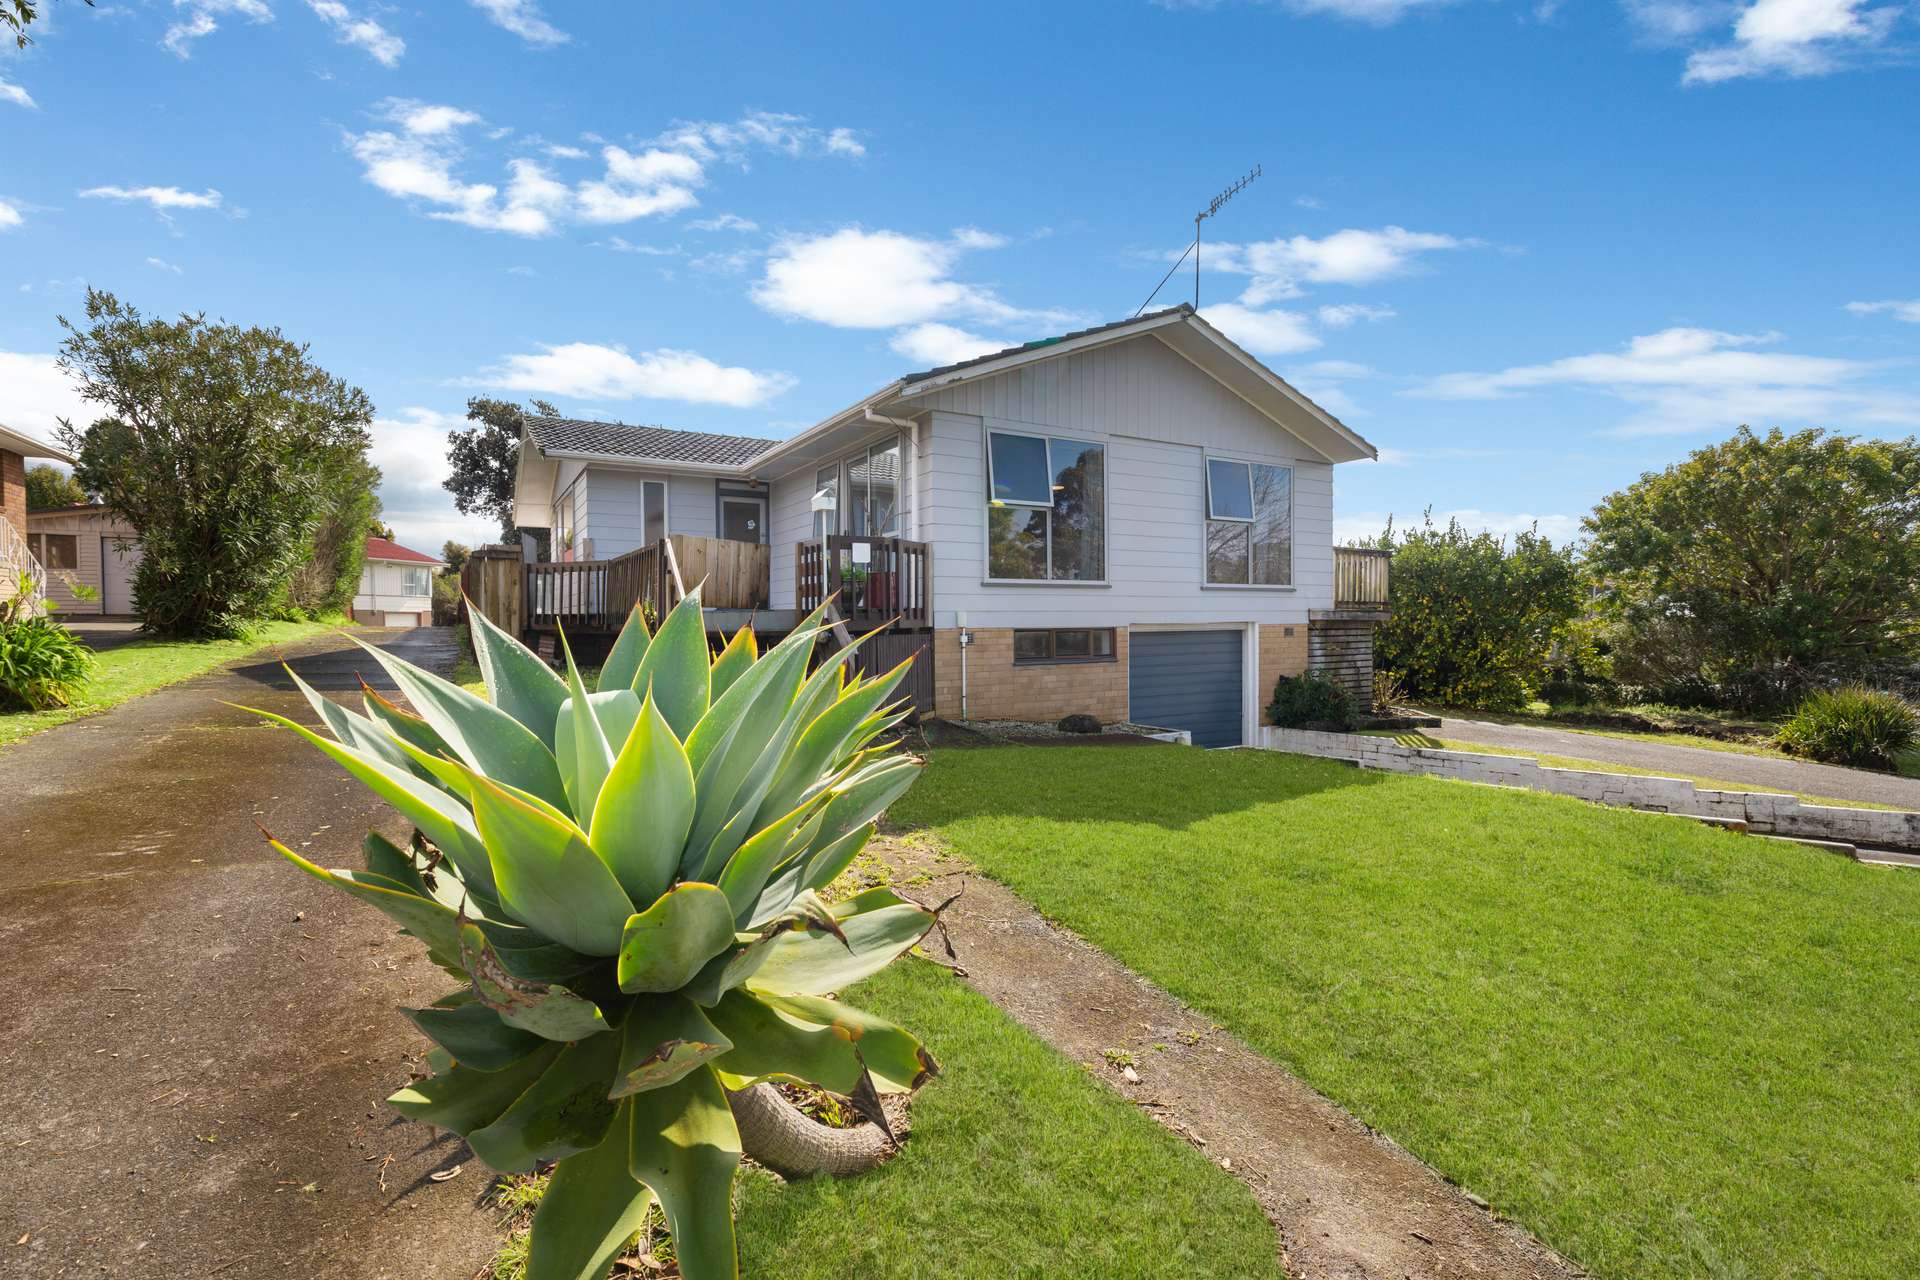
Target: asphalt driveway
[[195, 1037]]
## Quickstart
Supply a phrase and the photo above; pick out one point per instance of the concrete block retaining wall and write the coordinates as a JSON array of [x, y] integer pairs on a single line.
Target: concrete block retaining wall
[[1764, 813]]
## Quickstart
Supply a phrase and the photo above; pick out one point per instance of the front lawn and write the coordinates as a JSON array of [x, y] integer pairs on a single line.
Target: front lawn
[[1667, 1050], [1020, 1164], [146, 665]]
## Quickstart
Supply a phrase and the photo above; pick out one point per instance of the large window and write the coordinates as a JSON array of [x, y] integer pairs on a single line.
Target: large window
[[860, 495], [419, 581], [1046, 508], [55, 551], [1066, 645], [1249, 524]]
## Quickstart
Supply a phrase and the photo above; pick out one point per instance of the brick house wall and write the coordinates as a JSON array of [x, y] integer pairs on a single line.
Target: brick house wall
[[1283, 652], [998, 689], [13, 490]]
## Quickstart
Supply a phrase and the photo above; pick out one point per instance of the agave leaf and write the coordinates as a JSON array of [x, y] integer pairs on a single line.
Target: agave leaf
[[490, 741], [564, 1112], [463, 1099], [528, 956], [861, 798], [685, 1148], [427, 920], [739, 654], [591, 1208], [805, 876], [878, 926], [820, 743], [717, 726], [518, 682], [548, 875], [548, 1011], [771, 1043], [386, 859], [747, 871], [897, 1060], [667, 944], [475, 1035], [615, 709], [623, 662], [584, 768], [358, 732], [663, 1040], [443, 771], [676, 666], [645, 808]]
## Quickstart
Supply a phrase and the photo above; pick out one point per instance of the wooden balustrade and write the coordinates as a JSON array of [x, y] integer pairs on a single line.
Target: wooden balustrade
[[597, 595], [878, 580], [1360, 577]]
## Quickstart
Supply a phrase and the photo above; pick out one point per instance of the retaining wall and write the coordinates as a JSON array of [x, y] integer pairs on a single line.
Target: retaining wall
[[1764, 813]]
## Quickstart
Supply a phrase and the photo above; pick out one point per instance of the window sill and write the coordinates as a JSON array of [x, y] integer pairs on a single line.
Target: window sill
[[1105, 660], [1246, 586], [1044, 582]]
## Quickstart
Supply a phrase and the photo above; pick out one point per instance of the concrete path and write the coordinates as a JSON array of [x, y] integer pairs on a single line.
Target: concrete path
[[100, 634], [195, 1037], [1774, 773]]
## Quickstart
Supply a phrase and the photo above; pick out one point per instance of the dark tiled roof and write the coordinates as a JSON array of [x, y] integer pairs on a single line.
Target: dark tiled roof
[[1045, 342], [617, 439]]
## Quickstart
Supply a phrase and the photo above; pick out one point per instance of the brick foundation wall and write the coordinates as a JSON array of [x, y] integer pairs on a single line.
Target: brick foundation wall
[[1283, 652], [1344, 652], [13, 489], [999, 690]]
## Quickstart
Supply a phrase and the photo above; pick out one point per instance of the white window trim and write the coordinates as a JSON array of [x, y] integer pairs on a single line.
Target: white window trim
[[1293, 542], [991, 426], [842, 479]]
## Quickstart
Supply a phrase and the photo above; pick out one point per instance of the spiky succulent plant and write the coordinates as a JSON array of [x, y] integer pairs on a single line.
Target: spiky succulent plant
[[627, 884]]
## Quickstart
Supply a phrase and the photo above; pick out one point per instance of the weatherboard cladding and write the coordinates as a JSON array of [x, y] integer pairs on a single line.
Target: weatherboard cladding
[[661, 444]]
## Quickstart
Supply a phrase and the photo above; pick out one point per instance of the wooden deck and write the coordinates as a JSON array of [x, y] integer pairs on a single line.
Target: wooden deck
[[877, 580], [1360, 578], [589, 596]]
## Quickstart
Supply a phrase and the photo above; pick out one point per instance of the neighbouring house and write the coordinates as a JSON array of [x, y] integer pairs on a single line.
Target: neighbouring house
[[396, 586], [89, 546], [1134, 521], [16, 553]]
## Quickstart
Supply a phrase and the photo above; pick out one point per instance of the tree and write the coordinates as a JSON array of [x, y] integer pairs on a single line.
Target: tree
[[455, 554], [485, 459], [19, 15], [1475, 619], [216, 444], [49, 486], [329, 572], [1765, 556]]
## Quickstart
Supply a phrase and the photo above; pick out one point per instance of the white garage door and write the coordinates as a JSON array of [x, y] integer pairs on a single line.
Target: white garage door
[[403, 620], [119, 557]]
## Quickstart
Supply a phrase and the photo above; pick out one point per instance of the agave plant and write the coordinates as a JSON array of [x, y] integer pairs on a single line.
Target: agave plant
[[627, 883]]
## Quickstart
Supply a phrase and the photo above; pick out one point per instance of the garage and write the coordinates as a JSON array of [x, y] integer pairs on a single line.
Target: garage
[[119, 561], [1188, 680]]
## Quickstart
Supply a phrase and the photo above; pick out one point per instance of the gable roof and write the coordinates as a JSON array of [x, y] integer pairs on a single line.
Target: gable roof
[[1040, 344], [382, 549], [27, 447], [578, 436]]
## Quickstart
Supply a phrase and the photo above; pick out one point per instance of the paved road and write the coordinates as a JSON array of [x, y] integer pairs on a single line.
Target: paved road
[[1759, 771], [195, 1037]]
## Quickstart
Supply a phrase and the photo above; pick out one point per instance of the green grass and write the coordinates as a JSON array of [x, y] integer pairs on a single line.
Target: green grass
[[146, 665], [1020, 1164], [1667, 1050], [1418, 739]]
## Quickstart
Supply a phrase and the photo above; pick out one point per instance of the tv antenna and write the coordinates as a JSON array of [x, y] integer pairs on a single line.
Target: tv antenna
[[1213, 207]]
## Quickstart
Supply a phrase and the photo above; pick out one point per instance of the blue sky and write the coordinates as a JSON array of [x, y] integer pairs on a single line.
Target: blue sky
[[1528, 250]]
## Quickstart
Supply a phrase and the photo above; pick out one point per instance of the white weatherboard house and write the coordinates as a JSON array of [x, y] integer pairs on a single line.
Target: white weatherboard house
[[1134, 521], [396, 586]]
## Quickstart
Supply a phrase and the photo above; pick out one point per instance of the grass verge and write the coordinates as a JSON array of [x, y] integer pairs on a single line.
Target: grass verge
[[1668, 1051], [1020, 1164], [146, 665]]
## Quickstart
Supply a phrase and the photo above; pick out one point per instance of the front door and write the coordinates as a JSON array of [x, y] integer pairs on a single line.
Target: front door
[[743, 519]]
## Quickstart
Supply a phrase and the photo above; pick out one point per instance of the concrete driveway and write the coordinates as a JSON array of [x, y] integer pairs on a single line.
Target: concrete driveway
[[195, 1036], [1773, 772]]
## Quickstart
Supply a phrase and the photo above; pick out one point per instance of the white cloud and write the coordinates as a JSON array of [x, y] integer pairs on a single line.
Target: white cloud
[[844, 142], [197, 19], [1791, 38], [1353, 256], [943, 344], [161, 198], [161, 264], [734, 140], [590, 371], [1267, 333], [1376, 13], [1685, 379], [620, 244], [859, 279], [560, 151], [1343, 315], [725, 222], [35, 395], [524, 19], [10, 217], [380, 44], [427, 119], [411, 452], [1367, 526], [1907, 310], [1331, 369], [10, 92]]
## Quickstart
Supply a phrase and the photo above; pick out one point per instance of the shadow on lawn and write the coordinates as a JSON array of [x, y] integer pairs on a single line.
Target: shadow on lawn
[[1169, 787]]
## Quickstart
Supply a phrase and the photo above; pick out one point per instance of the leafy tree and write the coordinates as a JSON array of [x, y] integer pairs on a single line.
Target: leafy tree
[[329, 572], [1765, 555], [1475, 620], [19, 15], [486, 457], [216, 444], [49, 486], [455, 554]]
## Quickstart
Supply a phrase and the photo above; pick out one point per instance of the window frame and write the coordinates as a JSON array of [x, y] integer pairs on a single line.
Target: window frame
[[991, 427], [1246, 469], [407, 580], [1292, 468], [1053, 659], [38, 543], [842, 469]]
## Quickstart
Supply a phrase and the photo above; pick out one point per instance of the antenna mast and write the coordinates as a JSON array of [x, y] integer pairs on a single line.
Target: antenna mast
[[1212, 208]]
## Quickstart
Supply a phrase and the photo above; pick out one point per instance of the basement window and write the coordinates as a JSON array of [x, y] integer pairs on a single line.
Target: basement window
[[1076, 644]]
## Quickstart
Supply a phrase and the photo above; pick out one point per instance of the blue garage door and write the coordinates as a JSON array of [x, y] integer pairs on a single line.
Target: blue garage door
[[1187, 680]]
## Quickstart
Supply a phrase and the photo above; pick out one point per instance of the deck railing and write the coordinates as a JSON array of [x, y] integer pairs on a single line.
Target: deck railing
[[1360, 577], [15, 561], [878, 580], [597, 595]]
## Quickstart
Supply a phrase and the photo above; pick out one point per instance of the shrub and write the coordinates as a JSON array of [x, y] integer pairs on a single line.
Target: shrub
[[1568, 693], [1867, 728], [1310, 701], [1389, 690], [42, 664]]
